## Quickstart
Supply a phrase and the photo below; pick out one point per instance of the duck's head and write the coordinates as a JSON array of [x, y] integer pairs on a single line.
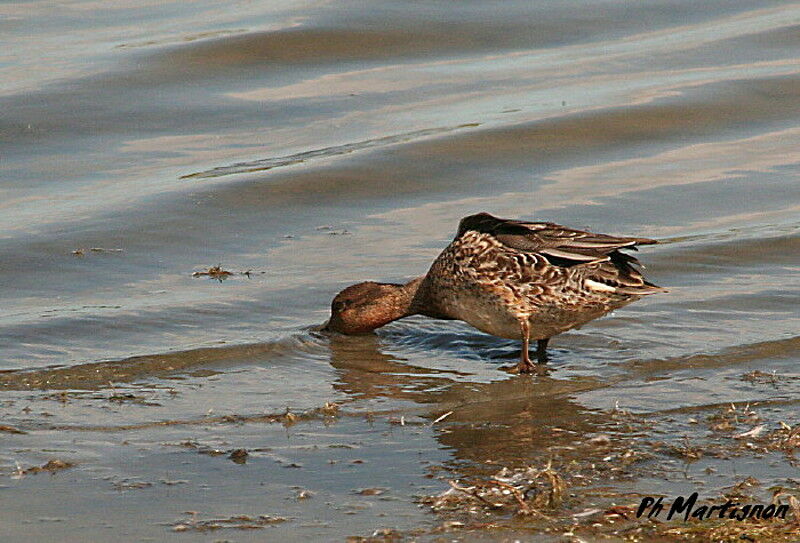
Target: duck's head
[[363, 307]]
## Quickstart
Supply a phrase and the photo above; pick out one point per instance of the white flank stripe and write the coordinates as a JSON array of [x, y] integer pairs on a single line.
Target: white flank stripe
[[594, 285]]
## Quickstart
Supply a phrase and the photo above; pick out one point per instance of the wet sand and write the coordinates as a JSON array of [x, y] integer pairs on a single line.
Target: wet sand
[[308, 147]]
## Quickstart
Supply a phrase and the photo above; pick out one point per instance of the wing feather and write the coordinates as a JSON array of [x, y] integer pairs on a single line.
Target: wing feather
[[559, 241], [597, 255]]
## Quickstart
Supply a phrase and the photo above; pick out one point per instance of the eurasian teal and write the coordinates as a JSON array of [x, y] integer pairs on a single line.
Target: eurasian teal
[[512, 279]]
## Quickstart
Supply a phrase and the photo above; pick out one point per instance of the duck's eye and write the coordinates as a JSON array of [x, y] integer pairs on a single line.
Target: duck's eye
[[338, 306]]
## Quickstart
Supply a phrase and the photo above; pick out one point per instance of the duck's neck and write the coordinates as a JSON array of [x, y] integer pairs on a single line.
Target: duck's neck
[[406, 300], [413, 298], [409, 299], [421, 301]]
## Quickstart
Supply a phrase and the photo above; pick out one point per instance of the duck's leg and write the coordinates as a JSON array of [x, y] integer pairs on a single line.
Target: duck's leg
[[525, 365], [541, 350]]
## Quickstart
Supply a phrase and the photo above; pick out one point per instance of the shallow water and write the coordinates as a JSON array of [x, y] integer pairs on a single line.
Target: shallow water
[[321, 144]]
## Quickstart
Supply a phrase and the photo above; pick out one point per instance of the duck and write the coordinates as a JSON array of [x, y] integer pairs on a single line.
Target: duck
[[509, 278]]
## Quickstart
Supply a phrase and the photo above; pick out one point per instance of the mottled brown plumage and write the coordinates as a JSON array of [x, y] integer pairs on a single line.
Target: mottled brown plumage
[[512, 279]]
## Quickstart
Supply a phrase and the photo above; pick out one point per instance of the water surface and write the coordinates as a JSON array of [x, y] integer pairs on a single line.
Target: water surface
[[320, 144]]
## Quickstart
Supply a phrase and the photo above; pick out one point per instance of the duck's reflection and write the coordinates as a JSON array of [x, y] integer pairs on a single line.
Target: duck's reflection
[[509, 422]]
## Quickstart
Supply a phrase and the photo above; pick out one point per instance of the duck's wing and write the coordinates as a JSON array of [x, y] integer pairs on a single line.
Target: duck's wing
[[595, 256], [560, 244]]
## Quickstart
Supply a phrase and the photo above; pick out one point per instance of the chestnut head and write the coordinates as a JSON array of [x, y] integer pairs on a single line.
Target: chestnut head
[[363, 307]]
